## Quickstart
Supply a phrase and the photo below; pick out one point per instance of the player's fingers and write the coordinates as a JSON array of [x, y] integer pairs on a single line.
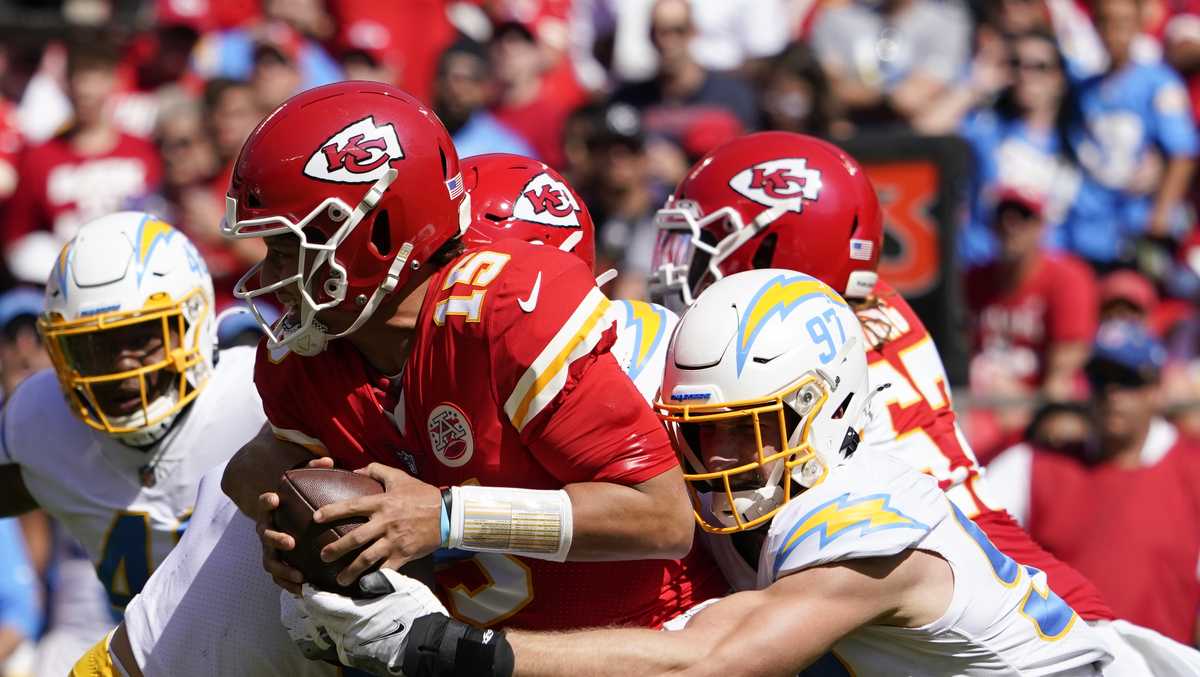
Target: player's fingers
[[365, 560], [359, 536], [289, 585], [351, 507], [321, 462], [277, 540], [284, 576]]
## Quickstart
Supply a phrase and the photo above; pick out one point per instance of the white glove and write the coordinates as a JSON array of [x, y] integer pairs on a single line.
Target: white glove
[[312, 641], [370, 633]]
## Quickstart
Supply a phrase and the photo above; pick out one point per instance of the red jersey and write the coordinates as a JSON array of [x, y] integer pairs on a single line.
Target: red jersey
[[1134, 531], [1056, 303], [913, 419], [509, 383], [59, 189]]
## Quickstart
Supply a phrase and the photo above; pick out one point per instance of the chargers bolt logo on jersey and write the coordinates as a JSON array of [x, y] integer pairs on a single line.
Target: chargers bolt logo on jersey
[[787, 182], [780, 295], [360, 153], [840, 515], [650, 324], [450, 435], [548, 202]]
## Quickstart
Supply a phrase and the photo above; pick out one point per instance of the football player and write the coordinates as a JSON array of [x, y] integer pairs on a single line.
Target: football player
[[857, 554], [206, 595], [113, 440], [784, 200], [491, 373], [779, 199]]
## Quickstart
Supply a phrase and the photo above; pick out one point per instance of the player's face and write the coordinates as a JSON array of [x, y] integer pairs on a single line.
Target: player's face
[[730, 444], [282, 261], [125, 349]]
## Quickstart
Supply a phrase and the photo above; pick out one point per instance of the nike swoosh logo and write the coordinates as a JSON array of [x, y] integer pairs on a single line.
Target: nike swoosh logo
[[530, 303], [397, 629]]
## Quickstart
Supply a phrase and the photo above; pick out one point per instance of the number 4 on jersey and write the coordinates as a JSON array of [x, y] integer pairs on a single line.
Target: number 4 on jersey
[[126, 563]]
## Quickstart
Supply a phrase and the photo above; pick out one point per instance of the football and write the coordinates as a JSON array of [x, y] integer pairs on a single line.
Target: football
[[303, 491]]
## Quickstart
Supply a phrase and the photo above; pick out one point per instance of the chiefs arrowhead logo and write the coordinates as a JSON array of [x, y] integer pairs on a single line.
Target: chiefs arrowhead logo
[[547, 201], [360, 153], [787, 182]]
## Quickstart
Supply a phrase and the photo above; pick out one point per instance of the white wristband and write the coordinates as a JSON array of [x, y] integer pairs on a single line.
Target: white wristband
[[528, 522]]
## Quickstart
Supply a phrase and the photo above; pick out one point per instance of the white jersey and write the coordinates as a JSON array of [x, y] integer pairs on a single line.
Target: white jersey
[[98, 487], [643, 334], [211, 609], [1002, 618]]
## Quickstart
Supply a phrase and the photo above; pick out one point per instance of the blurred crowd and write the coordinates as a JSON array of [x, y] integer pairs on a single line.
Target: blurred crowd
[[1078, 232]]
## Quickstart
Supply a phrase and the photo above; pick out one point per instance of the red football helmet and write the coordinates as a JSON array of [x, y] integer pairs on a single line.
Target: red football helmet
[[515, 197], [769, 200], [367, 178]]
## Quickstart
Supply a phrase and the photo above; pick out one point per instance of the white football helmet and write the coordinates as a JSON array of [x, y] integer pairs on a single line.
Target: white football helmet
[[128, 279], [776, 357]]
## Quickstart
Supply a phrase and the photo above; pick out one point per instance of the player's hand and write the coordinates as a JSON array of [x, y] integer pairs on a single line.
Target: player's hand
[[274, 541], [314, 642], [403, 523], [370, 633]]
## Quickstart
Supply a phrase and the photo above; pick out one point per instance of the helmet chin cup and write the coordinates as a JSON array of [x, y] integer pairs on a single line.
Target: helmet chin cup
[[751, 504], [306, 340]]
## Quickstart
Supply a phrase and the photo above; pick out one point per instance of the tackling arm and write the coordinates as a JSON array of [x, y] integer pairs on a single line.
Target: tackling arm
[[776, 631], [256, 467]]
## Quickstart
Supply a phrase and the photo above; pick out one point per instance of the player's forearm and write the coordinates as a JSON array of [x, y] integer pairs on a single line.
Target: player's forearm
[[256, 468], [14, 495], [611, 520], [607, 652]]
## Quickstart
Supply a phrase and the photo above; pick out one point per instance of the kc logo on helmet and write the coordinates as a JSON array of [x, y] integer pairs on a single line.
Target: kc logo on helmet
[[360, 153], [787, 182], [547, 201], [450, 435]]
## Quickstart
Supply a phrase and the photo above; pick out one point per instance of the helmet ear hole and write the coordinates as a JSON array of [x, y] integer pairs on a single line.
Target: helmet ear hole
[[765, 252], [381, 233], [442, 155], [841, 410]]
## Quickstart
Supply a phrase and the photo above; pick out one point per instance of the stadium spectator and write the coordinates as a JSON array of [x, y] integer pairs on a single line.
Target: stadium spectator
[[536, 94], [889, 59], [367, 53], [1137, 146], [621, 196], [683, 89], [1033, 311], [407, 36], [464, 83], [232, 113], [232, 53], [1127, 295], [1102, 509], [795, 96], [190, 197], [276, 74], [1019, 135], [88, 170], [21, 352]]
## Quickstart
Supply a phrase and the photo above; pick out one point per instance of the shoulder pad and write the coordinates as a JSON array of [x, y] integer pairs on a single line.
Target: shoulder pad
[[643, 332], [874, 506], [34, 406]]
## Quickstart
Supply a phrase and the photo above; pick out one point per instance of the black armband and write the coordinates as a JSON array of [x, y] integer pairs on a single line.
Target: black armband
[[439, 646]]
